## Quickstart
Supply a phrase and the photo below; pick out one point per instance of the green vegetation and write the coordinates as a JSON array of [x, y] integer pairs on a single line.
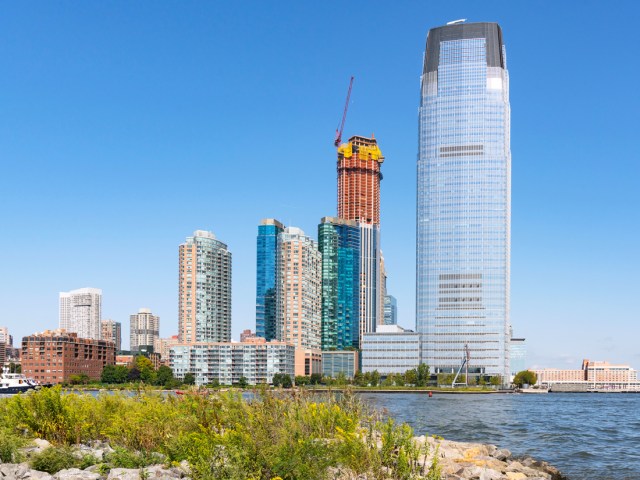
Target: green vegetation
[[141, 371], [221, 435], [525, 377]]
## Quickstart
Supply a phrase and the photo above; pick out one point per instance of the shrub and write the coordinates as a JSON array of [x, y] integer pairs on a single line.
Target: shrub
[[54, 459], [10, 446]]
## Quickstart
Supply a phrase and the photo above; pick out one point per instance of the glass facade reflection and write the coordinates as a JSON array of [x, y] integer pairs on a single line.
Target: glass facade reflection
[[464, 190], [339, 243], [267, 254]]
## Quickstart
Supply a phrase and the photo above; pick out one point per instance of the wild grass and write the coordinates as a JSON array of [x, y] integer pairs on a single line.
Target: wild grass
[[291, 435]]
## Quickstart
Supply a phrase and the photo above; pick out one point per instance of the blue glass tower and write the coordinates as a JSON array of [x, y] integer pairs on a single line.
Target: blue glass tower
[[267, 254], [339, 243], [464, 200]]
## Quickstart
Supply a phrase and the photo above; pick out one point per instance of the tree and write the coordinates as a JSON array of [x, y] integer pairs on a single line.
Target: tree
[[243, 382], [375, 378], [358, 379], [525, 377], [315, 379], [215, 383], [164, 376], [282, 380], [389, 381], [411, 376], [422, 375], [496, 380], [189, 379], [133, 375], [302, 380], [114, 374], [341, 379], [15, 368], [145, 367]]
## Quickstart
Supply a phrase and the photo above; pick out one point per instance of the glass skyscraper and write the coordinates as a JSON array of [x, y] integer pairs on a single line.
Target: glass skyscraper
[[464, 200], [339, 243], [267, 254]]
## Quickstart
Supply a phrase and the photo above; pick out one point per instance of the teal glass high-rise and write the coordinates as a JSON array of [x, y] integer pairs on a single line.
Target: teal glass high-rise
[[464, 200], [267, 254], [339, 243]]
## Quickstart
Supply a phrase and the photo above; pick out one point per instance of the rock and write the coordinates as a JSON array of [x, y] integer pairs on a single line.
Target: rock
[[124, 474], [501, 454], [516, 476], [158, 471], [41, 443], [76, 474]]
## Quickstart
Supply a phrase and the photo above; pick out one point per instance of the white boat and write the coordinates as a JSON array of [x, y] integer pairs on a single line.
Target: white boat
[[533, 390], [11, 383]]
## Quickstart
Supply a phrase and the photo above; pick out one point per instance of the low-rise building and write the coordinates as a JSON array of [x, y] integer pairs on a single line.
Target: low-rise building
[[390, 349], [54, 355], [592, 376], [335, 362], [227, 362]]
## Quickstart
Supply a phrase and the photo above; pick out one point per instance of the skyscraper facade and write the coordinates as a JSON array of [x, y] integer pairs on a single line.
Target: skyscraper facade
[[339, 244], [299, 298], [204, 298], [81, 312], [112, 332], [390, 310], [267, 254], [464, 198], [359, 176], [144, 329]]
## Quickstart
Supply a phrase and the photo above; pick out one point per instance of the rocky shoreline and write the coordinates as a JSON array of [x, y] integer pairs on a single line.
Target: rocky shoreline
[[456, 461]]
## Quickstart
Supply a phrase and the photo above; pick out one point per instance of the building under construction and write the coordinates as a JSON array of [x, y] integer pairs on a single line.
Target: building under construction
[[359, 177]]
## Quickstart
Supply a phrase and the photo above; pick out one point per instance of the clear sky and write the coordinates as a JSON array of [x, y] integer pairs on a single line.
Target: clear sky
[[125, 126]]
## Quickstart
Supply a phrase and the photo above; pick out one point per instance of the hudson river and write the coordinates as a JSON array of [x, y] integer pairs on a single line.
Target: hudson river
[[587, 436]]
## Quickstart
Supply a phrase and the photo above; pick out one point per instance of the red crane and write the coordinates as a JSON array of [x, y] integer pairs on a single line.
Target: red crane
[[338, 138]]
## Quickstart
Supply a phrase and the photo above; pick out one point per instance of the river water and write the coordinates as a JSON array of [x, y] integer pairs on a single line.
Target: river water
[[586, 436]]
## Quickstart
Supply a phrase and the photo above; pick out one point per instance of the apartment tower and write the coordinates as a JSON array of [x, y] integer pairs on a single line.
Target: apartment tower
[[339, 244], [81, 312], [299, 298], [464, 200], [204, 297], [267, 254], [144, 328], [112, 332]]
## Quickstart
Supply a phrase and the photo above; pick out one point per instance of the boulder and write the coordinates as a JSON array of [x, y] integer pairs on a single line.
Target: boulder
[[76, 474], [124, 474], [158, 471]]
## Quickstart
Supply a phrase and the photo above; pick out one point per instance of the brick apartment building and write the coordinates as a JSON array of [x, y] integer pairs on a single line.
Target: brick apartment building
[[54, 355]]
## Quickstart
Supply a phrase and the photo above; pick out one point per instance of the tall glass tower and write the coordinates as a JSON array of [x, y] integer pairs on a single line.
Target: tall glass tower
[[339, 244], [267, 255], [464, 200]]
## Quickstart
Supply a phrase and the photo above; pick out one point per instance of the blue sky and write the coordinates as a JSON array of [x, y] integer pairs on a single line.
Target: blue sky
[[125, 126]]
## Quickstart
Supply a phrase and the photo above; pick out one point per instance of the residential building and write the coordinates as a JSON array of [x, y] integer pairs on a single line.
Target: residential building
[[54, 355], [267, 255], [162, 346], [464, 200], [336, 362], [112, 332], [226, 362], [339, 244], [370, 278], [81, 312], [3, 354], [390, 349], [390, 310], [248, 336], [144, 328], [204, 300], [518, 354], [299, 298], [5, 338]]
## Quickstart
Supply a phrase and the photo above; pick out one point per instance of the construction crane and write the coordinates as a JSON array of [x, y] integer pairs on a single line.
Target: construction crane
[[338, 138]]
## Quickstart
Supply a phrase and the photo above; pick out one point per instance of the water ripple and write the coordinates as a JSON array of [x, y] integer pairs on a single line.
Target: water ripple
[[587, 436]]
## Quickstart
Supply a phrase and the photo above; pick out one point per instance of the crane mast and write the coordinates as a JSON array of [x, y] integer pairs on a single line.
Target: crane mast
[[338, 138]]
